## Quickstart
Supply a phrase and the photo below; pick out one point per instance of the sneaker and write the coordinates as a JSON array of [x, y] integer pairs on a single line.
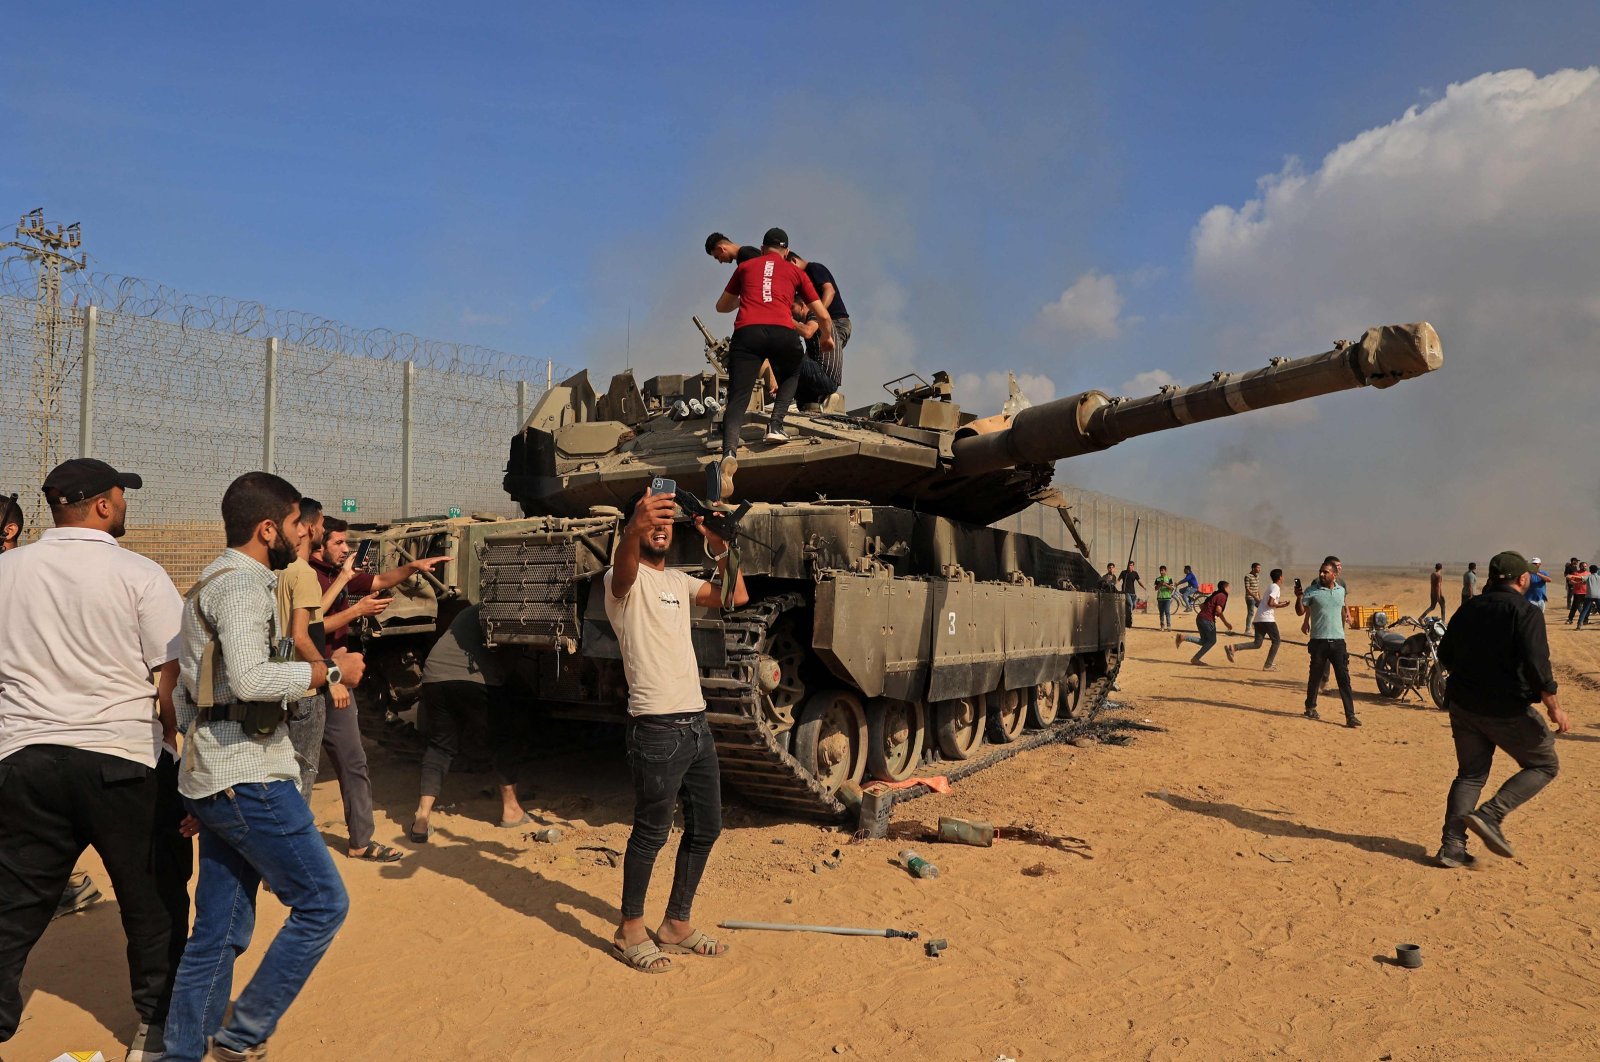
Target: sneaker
[[1489, 831], [148, 1043], [776, 435], [1311, 713], [727, 467], [1229, 650], [1452, 857], [81, 894], [218, 1053], [1351, 721]]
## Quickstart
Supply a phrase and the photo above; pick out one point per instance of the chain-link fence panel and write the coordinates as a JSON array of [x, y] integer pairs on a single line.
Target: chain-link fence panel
[[461, 429]]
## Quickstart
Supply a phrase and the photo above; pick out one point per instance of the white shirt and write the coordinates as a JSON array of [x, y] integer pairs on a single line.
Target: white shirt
[[83, 623], [654, 632], [1265, 613]]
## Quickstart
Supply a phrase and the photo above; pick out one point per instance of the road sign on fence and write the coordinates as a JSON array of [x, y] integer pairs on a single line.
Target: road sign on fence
[[455, 512], [348, 506]]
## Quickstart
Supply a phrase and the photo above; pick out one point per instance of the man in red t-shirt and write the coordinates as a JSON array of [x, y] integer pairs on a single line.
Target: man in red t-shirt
[[762, 290]]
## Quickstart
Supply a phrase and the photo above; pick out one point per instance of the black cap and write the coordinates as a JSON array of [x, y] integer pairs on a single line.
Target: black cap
[[1509, 565], [714, 239], [73, 481], [776, 238]]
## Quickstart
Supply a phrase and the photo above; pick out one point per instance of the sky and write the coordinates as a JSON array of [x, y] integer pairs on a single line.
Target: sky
[[1090, 196]]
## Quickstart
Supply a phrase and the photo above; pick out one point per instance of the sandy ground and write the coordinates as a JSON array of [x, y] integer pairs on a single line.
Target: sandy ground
[[1250, 871]]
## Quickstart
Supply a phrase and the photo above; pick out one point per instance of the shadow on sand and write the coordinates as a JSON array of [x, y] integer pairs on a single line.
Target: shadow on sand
[[1269, 826]]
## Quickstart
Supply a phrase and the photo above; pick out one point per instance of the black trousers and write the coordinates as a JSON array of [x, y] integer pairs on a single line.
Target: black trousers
[[1523, 737], [1326, 653], [752, 345], [669, 761], [55, 801], [446, 709]]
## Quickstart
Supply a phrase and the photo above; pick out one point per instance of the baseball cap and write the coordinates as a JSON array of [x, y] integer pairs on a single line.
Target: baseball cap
[[73, 481], [1509, 565], [775, 238], [1536, 561], [714, 239]]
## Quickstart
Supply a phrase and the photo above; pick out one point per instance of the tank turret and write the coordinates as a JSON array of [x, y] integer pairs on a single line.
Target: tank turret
[[920, 450]]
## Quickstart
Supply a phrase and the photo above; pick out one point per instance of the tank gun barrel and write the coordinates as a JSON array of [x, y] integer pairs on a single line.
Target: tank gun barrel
[[1092, 421]]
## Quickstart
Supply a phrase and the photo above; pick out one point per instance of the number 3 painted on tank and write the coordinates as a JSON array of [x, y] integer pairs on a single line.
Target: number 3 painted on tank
[[952, 627]]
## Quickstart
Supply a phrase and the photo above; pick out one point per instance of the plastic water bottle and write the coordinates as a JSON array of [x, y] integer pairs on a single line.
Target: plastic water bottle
[[918, 866]]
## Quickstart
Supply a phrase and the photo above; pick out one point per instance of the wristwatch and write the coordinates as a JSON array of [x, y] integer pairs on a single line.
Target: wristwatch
[[335, 676]]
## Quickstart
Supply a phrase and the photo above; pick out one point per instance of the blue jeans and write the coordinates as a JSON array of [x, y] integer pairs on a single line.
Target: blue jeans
[[252, 832], [1165, 605], [1589, 605], [1208, 636]]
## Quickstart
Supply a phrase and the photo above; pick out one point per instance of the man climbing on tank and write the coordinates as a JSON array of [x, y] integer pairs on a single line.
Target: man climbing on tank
[[763, 291], [670, 749]]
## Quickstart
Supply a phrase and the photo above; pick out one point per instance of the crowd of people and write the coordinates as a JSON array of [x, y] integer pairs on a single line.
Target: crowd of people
[[1495, 652]]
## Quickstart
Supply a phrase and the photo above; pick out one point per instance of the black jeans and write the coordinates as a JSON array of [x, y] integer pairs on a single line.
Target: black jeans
[[1264, 631], [1524, 738], [446, 709], [815, 383], [1327, 652], [751, 345], [671, 758], [55, 801]]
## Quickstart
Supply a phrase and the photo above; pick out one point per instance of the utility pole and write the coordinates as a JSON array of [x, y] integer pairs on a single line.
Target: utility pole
[[49, 249]]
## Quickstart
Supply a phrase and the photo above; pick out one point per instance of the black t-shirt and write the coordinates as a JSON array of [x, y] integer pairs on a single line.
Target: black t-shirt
[[1130, 581], [821, 275]]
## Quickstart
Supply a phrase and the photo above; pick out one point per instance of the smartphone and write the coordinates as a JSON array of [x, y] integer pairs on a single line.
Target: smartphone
[[363, 551], [663, 485], [1298, 587]]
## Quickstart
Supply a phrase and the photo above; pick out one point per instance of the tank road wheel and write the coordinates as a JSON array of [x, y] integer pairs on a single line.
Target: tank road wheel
[[896, 731], [1044, 704], [1072, 684], [785, 649], [1009, 714], [830, 737], [958, 724]]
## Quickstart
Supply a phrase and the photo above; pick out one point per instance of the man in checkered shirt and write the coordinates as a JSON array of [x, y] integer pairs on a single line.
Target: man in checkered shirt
[[240, 781]]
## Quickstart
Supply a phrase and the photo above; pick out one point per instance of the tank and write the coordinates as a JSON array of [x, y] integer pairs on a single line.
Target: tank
[[891, 632]]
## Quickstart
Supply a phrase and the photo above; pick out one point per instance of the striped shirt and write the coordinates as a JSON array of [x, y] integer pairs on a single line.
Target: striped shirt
[[1252, 586], [241, 604]]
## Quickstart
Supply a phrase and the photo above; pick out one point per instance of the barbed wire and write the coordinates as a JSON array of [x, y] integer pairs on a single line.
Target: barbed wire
[[244, 318]]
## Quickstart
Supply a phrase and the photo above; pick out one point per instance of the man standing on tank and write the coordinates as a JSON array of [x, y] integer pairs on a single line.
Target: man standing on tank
[[670, 748], [763, 291], [1499, 661], [1322, 604]]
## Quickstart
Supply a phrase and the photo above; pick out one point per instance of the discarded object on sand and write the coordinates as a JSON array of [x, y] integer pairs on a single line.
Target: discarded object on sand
[[933, 947], [1408, 955], [916, 831], [1038, 870], [919, 867], [80, 1056], [608, 856], [963, 831], [840, 931], [548, 835]]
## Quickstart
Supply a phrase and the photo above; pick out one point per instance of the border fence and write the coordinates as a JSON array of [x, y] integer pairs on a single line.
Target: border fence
[[1107, 524], [190, 391]]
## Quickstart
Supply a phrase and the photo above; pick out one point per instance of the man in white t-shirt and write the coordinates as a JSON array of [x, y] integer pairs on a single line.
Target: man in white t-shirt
[[88, 662], [1266, 622], [670, 748]]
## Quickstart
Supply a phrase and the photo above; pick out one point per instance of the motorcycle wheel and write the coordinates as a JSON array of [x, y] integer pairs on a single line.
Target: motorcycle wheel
[[1436, 685], [1387, 671]]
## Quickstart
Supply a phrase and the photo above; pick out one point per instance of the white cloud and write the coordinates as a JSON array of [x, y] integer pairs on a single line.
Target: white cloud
[[985, 393], [1147, 383], [471, 317], [1475, 211], [1091, 307]]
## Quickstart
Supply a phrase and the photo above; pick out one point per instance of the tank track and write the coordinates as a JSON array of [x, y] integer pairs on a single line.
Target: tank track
[[754, 761]]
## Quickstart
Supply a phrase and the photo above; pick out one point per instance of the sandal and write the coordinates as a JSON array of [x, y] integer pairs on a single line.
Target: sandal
[[420, 836], [379, 853], [641, 956], [524, 821], [696, 943]]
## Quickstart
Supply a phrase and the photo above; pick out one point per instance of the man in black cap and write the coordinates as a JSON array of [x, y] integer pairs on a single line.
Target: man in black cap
[[763, 290], [1499, 663], [88, 663]]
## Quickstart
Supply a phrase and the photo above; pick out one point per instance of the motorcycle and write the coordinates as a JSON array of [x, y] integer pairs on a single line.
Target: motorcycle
[[1407, 663]]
